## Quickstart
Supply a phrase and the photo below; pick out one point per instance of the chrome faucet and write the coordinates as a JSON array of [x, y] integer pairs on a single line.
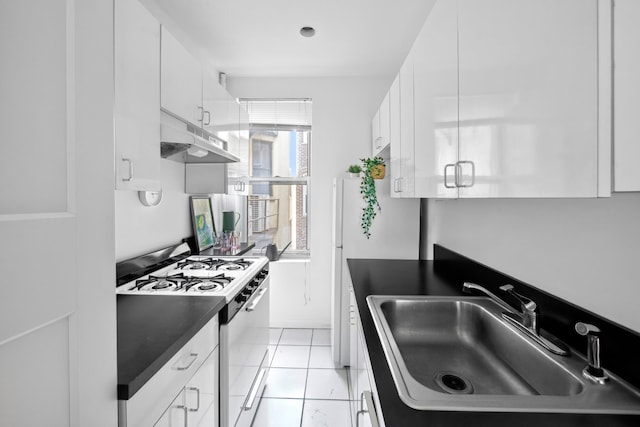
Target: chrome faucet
[[526, 321], [593, 371], [528, 308]]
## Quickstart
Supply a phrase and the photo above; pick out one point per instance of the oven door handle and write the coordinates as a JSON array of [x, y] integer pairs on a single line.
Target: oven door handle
[[257, 299], [254, 390]]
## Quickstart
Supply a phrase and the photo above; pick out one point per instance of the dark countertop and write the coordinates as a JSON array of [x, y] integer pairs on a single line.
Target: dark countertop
[[409, 277], [151, 330]]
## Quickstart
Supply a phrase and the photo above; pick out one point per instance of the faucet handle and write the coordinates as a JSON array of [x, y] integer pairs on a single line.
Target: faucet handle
[[593, 371], [527, 304]]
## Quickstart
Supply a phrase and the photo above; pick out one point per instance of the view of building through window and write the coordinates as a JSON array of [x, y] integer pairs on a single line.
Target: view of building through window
[[279, 148]]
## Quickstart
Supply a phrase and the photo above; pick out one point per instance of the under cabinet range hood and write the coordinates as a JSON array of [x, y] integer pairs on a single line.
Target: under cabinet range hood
[[186, 143]]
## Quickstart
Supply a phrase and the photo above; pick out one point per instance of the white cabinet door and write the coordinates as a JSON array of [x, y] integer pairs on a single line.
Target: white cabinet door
[[221, 115], [181, 81], [137, 97], [627, 95], [407, 150], [375, 134], [528, 101], [201, 394], [385, 123], [395, 149], [435, 68], [176, 415]]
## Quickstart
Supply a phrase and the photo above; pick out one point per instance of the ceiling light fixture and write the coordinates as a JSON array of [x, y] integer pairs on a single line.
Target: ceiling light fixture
[[307, 31]]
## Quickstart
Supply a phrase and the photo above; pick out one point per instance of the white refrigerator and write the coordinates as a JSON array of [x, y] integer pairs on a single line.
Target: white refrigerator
[[395, 234]]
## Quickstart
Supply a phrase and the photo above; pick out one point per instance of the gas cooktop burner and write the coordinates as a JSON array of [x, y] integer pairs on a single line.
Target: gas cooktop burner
[[214, 264], [174, 281], [209, 284]]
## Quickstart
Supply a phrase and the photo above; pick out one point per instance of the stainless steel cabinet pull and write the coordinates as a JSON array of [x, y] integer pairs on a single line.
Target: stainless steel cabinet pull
[[446, 183], [201, 111], [130, 162], [194, 357], [197, 390], [254, 390], [256, 301], [396, 185], [208, 121], [376, 142], [371, 409], [459, 173], [186, 414]]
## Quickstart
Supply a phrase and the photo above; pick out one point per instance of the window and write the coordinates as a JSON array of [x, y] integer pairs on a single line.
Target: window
[[279, 151]]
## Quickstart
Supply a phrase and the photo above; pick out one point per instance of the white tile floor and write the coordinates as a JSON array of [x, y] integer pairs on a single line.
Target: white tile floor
[[304, 388]]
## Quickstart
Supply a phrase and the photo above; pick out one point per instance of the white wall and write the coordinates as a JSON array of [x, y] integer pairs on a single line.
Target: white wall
[[141, 229], [342, 111], [585, 251]]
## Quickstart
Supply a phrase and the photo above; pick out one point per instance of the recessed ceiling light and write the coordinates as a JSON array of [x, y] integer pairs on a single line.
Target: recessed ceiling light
[[307, 31]]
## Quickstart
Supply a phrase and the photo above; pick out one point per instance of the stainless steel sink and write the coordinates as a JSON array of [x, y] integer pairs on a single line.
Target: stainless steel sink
[[457, 353]]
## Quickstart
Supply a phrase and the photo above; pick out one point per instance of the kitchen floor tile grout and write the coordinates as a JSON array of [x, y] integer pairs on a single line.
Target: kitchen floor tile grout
[[304, 398]]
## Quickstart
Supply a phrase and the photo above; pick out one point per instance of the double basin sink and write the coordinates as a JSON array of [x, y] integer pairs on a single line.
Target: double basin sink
[[458, 354]]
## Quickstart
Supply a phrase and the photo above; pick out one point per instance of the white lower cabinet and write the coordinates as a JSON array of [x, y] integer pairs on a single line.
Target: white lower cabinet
[[184, 391], [365, 406], [197, 403]]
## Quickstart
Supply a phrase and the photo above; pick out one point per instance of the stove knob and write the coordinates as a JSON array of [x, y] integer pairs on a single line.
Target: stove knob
[[246, 293], [240, 299], [255, 283]]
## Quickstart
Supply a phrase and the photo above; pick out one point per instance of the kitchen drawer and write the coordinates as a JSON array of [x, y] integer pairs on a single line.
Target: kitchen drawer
[[149, 403]]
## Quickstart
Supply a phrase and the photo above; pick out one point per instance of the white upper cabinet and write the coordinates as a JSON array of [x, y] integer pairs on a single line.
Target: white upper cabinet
[[137, 97], [627, 95], [181, 86], [435, 87], [395, 148], [403, 149], [380, 127], [504, 106], [528, 101]]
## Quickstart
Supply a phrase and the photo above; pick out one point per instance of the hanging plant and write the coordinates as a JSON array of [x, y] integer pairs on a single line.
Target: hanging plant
[[373, 169]]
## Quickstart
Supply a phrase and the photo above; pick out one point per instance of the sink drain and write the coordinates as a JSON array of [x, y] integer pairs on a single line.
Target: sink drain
[[453, 383]]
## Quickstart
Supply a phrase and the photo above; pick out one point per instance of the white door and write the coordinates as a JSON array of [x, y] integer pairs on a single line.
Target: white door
[[56, 203]]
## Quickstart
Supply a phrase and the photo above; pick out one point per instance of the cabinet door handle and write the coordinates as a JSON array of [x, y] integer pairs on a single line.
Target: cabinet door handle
[[371, 409], [459, 173], [130, 164], [201, 111], [186, 414], [208, 114], [197, 390], [376, 142], [446, 183], [194, 357], [396, 185]]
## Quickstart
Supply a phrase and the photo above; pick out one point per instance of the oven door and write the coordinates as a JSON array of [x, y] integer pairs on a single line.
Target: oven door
[[244, 360]]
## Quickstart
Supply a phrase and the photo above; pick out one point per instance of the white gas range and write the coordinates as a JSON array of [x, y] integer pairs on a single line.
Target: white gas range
[[201, 275], [244, 321]]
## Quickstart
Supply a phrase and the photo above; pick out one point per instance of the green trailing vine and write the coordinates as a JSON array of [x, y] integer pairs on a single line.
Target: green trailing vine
[[368, 192]]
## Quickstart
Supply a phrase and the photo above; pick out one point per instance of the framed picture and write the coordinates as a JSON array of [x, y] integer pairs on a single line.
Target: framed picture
[[202, 219]]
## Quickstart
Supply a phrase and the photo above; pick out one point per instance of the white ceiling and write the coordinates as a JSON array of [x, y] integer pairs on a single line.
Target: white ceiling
[[249, 38]]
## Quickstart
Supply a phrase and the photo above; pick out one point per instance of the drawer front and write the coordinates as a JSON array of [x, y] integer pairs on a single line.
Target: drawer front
[[149, 403]]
